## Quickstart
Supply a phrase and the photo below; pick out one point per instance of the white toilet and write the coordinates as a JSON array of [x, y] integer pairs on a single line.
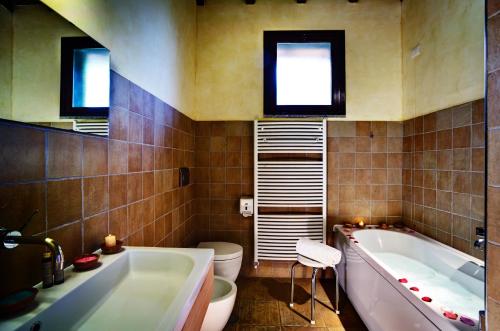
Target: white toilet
[[227, 265], [221, 305], [227, 258]]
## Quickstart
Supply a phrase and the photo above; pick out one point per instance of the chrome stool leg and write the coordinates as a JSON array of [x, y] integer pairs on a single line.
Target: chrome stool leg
[[313, 294], [337, 311], [292, 276]]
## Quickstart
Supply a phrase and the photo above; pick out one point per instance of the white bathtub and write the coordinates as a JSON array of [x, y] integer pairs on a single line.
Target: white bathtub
[[387, 273]]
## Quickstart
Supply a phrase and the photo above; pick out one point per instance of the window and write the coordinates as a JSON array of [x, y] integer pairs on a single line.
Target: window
[[85, 75], [304, 73]]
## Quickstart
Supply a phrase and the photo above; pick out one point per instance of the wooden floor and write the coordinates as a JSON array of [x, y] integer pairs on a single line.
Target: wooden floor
[[262, 305]]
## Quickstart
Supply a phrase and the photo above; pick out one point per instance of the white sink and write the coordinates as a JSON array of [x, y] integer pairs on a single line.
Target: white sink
[[138, 289]]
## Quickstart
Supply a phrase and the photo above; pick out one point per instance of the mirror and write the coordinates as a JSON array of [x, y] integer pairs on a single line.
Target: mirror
[[52, 74]]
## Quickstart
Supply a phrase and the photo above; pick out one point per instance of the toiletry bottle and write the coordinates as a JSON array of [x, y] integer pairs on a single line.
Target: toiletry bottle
[[47, 278]]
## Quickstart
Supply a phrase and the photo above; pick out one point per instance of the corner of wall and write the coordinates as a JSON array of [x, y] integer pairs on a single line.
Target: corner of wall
[[437, 78]]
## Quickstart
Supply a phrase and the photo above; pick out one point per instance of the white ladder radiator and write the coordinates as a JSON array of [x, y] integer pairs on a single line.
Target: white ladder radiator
[[296, 182]]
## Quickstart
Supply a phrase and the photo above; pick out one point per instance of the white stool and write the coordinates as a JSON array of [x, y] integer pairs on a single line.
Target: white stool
[[315, 266]]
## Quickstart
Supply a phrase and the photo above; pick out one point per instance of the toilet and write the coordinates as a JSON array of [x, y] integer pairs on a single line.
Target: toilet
[[227, 258], [227, 265], [221, 305]]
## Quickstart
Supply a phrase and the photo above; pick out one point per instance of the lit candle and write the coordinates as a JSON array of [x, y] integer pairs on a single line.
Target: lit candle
[[110, 240], [360, 222]]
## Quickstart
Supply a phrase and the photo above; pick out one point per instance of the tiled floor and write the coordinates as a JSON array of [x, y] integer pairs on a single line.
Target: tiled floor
[[262, 305]]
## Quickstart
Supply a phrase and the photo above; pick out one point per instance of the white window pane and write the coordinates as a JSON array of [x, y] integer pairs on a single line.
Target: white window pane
[[91, 77], [303, 74]]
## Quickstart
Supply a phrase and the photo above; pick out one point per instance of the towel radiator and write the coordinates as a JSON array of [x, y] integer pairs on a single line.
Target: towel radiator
[[289, 186]]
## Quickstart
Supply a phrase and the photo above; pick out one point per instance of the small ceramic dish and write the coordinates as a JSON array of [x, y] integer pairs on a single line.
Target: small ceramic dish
[[112, 250], [17, 301], [86, 262]]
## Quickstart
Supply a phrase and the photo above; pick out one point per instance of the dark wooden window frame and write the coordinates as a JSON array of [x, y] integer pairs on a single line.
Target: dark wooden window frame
[[337, 40], [68, 45]]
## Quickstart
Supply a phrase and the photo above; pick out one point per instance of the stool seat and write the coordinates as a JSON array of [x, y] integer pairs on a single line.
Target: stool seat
[[310, 263]]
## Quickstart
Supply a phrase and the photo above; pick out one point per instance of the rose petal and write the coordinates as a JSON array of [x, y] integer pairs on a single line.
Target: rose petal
[[451, 315], [467, 320]]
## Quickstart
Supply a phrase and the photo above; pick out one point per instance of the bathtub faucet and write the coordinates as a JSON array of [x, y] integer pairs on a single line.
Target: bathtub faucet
[[480, 242]]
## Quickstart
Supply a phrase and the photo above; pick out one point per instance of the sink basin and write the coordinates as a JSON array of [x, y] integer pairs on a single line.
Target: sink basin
[[139, 289]]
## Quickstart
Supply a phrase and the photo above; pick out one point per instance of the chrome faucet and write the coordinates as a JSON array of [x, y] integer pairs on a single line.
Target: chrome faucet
[[480, 242], [10, 239]]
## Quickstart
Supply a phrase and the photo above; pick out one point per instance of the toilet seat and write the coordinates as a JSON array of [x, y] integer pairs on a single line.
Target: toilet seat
[[224, 251]]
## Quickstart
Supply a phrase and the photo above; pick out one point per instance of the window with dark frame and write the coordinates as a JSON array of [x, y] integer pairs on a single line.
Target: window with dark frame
[[85, 78], [304, 73]]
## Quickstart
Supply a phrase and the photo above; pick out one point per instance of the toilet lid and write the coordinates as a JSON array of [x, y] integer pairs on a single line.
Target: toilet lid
[[223, 250]]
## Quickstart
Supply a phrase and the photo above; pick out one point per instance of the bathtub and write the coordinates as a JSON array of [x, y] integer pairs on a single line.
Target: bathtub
[[398, 279]]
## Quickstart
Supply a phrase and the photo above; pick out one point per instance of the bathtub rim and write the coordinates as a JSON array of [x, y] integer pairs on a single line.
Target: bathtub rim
[[418, 235]]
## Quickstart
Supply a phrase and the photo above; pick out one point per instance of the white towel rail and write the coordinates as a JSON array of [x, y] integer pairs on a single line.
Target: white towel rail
[[291, 183]]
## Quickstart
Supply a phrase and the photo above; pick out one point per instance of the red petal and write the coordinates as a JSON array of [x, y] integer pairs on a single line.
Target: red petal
[[451, 315], [403, 280], [426, 299], [467, 320], [413, 288]]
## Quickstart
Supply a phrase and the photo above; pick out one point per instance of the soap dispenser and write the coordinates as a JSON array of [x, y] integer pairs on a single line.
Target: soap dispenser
[[246, 206]]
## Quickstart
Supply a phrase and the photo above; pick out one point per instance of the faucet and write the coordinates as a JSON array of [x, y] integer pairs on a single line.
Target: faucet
[[10, 239], [480, 242]]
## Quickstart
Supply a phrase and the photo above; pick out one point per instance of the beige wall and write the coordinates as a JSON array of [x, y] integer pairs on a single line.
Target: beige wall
[[450, 68], [229, 70], [37, 63], [152, 42], [166, 45], [5, 63]]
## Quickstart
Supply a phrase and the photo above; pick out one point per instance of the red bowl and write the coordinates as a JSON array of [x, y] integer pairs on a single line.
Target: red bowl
[[86, 262], [112, 250], [17, 301]]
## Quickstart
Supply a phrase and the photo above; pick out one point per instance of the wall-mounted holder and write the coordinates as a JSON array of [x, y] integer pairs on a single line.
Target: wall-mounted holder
[[246, 206]]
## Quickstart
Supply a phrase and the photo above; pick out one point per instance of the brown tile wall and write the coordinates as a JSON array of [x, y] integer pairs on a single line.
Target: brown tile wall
[[224, 172], [364, 172], [85, 186], [493, 191], [443, 175]]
